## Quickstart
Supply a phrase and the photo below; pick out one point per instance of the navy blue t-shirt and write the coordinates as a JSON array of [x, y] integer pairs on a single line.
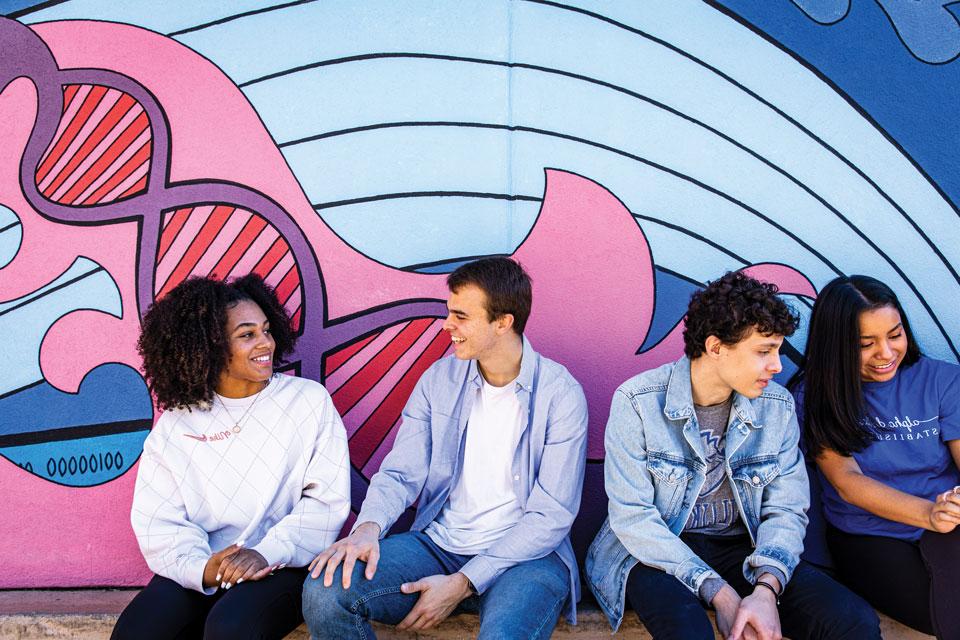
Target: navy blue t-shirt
[[911, 417]]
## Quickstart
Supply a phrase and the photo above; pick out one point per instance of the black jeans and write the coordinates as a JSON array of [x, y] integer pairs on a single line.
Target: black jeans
[[917, 584], [164, 610], [813, 605]]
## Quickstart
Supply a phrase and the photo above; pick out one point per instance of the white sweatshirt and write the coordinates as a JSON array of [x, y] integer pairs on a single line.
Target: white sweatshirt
[[280, 484]]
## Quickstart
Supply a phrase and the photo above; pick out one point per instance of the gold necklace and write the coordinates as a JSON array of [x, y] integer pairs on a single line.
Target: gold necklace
[[236, 423]]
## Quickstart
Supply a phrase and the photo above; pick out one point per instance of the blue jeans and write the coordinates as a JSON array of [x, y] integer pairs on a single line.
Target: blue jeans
[[524, 602], [813, 606]]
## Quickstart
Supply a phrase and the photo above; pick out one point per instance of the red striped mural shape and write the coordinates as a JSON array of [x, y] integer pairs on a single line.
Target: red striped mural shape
[[224, 242], [101, 150]]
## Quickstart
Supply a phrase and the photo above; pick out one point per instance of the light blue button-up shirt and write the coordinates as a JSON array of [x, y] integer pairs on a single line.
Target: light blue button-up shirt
[[548, 462]]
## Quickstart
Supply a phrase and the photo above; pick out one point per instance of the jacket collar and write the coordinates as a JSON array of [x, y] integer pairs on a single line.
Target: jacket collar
[[679, 401], [528, 369]]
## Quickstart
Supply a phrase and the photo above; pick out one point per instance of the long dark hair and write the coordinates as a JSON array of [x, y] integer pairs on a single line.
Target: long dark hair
[[183, 341], [830, 371]]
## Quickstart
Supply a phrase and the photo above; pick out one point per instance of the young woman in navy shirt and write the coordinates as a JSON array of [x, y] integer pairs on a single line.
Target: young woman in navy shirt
[[882, 423]]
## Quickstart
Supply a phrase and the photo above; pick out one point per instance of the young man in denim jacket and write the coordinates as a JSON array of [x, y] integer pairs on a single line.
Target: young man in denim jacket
[[708, 488], [493, 443]]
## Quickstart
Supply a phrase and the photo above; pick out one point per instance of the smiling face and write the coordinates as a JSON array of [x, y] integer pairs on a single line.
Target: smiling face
[[883, 344], [747, 366], [250, 363], [473, 334]]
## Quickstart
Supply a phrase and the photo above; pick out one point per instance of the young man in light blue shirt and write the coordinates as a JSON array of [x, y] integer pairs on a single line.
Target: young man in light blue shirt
[[493, 444]]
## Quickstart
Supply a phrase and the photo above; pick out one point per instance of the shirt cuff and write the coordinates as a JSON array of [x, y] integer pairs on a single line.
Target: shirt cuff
[[710, 588], [272, 550], [193, 569], [372, 515], [480, 572]]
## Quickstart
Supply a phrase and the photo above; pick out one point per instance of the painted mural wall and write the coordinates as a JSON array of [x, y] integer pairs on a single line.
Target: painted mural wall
[[354, 152]]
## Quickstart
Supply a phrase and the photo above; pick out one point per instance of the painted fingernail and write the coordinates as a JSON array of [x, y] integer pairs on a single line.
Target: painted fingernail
[[223, 585], [229, 585], [240, 580], [219, 577]]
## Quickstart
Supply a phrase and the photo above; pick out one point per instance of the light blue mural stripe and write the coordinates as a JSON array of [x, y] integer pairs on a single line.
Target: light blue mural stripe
[[11, 234], [476, 29], [348, 95], [85, 285], [402, 160], [495, 226], [174, 16]]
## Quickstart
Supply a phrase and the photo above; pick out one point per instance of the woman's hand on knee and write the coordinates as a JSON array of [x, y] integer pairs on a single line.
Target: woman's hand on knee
[[211, 572], [241, 565]]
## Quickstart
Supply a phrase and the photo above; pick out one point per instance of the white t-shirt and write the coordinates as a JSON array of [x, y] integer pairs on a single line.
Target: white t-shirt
[[483, 503], [271, 470]]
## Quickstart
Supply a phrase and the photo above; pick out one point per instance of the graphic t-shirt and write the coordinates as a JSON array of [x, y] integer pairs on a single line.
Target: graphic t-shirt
[[911, 418], [715, 511]]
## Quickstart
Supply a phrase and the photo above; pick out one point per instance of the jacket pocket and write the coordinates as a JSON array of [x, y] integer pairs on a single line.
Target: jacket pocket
[[751, 476], [671, 475]]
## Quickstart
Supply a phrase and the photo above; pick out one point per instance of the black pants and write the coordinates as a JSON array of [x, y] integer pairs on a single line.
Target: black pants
[[268, 608], [917, 584], [813, 605]]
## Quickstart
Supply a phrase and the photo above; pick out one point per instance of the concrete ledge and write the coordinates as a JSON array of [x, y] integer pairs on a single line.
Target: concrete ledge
[[91, 614]]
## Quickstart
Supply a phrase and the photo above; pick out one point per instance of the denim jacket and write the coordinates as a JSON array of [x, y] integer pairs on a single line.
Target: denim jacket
[[654, 470], [548, 462]]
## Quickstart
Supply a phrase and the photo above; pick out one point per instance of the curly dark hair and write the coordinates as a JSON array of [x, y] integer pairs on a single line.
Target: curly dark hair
[[730, 307], [183, 341]]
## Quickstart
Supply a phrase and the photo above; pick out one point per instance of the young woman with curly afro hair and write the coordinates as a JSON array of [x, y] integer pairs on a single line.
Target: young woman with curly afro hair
[[245, 475]]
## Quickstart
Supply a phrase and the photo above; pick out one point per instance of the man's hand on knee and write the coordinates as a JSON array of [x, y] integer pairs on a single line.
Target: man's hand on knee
[[757, 617], [439, 596], [363, 544]]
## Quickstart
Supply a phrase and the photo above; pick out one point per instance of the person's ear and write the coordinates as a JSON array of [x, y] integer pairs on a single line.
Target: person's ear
[[504, 323], [712, 346]]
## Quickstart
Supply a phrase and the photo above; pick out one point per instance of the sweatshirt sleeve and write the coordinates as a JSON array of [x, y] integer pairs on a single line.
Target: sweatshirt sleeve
[[315, 521], [172, 546]]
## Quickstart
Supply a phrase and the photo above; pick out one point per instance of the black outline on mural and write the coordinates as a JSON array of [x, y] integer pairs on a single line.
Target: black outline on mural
[[424, 194], [19, 13], [906, 46], [231, 18], [417, 268], [148, 421], [62, 285], [821, 22], [792, 352]]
